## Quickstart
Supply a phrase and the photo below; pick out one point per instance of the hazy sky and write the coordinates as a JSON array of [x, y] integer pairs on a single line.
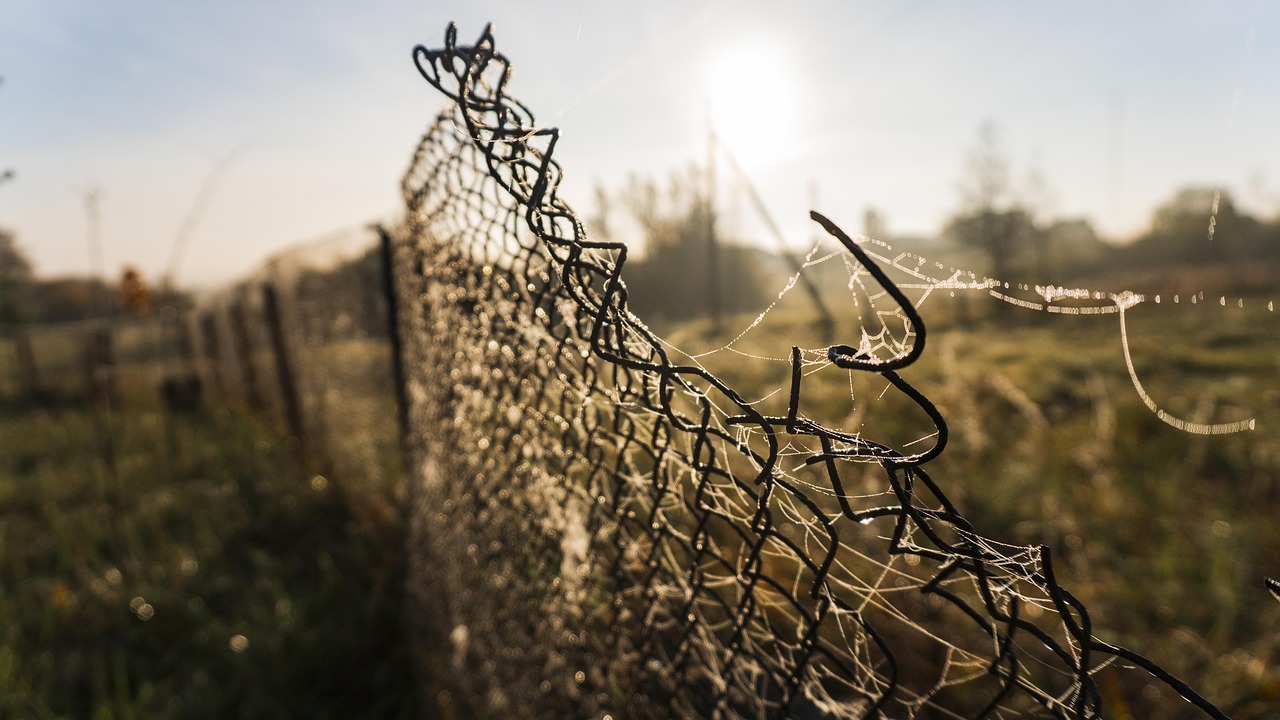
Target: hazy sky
[[318, 106]]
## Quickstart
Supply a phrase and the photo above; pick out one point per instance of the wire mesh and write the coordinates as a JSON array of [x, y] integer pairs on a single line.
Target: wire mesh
[[304, 341], [601, 528]]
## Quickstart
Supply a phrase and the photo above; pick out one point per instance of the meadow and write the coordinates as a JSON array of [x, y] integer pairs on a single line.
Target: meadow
[[201, 566], [195, 566], [1166, 536]]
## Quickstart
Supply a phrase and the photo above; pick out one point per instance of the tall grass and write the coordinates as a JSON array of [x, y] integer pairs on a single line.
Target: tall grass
[[207, 574]]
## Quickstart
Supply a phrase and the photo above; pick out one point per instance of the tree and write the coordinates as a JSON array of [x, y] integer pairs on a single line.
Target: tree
[[992, 219], [985, 183], [1004, 236], [15, 282], [1200, 225], [15, 307], [669, 279]]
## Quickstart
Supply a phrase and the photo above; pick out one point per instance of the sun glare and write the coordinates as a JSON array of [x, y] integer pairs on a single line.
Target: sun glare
[[752, 99]]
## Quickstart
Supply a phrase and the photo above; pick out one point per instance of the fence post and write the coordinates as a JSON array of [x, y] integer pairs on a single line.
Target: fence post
[[212, 350], [100, 366], [284, 368], [244, 355], [387, 246], [28, 371]]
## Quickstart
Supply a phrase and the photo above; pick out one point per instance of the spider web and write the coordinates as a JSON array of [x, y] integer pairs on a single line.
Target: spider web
[[603, 526]]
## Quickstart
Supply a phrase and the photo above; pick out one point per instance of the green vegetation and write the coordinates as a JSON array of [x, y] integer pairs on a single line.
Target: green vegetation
[[1165, 536], [195, 566], [206, 574]]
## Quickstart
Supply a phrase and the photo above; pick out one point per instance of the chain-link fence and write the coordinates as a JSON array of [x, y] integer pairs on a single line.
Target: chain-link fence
[[602, 527]]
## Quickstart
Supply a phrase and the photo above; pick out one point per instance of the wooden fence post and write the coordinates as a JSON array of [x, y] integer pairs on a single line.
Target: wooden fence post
[[100, 366], [28, 371], [284, 367], [212, 350], [244, 355]]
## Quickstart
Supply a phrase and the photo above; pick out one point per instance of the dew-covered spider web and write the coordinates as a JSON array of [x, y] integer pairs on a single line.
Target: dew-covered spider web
[[608, 526]]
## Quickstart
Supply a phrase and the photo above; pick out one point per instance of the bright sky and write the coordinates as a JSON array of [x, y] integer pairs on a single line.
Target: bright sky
[[872, 102]]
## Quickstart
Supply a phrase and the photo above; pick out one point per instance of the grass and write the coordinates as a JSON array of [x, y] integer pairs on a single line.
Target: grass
[[207, 574], [211, 575], [1166, 536]]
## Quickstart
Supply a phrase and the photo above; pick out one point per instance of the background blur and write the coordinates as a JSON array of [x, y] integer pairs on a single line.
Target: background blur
[[299, 114]]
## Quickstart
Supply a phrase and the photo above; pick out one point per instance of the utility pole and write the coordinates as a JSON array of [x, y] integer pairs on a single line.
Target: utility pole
[[97, 265], [713, 249]]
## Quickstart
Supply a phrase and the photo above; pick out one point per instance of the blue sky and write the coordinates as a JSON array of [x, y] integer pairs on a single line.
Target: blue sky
[[873, 103]]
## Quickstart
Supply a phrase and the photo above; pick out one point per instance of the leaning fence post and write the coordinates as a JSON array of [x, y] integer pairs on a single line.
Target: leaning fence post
[[244, 355], [284, 368]]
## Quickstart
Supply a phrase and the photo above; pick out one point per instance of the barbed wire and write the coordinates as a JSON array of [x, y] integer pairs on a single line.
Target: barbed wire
[[602, 529]]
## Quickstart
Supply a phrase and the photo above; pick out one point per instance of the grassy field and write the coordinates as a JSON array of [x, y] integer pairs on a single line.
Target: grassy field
[[209, 572], [1166, 536], [205, 572]]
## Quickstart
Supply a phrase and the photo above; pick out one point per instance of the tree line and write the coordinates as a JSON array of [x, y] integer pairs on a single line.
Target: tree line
[[684, 265]]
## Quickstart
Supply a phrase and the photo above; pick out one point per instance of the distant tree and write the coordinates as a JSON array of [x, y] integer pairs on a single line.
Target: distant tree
[[992, 219], [985, 183], [15, 282], [1007, 237], [669, 277], [70, 298], [1073, 247], [873, 224], [1202, 225]]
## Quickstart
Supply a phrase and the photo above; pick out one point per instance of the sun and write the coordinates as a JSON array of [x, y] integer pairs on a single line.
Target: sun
[[751, 95]]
